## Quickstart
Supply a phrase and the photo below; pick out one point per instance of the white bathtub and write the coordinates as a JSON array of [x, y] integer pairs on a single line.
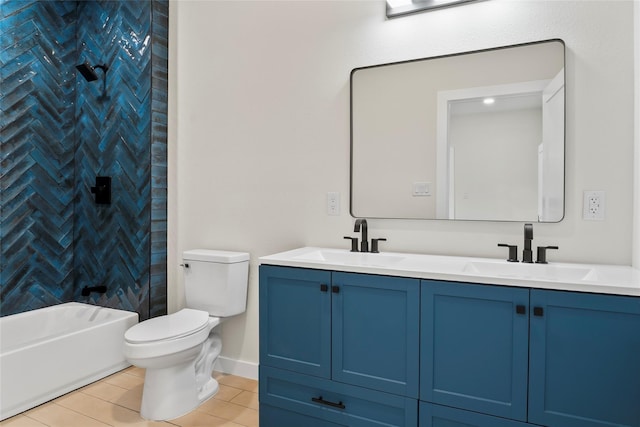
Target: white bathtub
[[47, 352]]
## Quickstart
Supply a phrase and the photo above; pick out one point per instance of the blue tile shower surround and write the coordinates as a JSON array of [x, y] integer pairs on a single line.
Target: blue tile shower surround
[[59, 132]]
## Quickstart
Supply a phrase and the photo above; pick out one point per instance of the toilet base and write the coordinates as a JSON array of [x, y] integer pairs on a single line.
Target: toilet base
[[169, 393], [173, 391]]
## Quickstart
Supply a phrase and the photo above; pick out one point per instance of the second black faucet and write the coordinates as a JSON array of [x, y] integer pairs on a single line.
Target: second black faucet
[[361, 223], [361, 227], [527, 253]]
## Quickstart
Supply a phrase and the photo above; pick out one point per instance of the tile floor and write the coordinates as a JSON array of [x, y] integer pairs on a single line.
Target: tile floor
[[115, 401]]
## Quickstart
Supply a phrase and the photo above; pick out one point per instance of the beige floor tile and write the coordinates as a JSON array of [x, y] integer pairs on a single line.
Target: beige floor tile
[[239, 382], [21, 421], [230, 411], [131, 399], [227, 393], [134, 370], [100, 409], [105, 391], [246, 398], [125, 380], [54, 415], [202, 419]]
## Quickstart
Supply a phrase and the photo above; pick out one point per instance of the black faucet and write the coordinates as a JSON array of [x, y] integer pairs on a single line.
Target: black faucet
[[364, 244], [527, 253]]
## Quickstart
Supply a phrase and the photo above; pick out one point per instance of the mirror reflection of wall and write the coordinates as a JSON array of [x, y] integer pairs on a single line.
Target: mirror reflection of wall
[[425, 145], [511, 128]]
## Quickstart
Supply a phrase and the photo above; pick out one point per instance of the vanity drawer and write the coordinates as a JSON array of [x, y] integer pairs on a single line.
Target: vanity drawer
[[272, 416], [333, 402], [443, 416]]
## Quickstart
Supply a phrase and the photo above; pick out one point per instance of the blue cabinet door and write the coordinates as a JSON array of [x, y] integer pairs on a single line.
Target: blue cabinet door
[[376, 332], [585, 360], [442, 416], [474, 347], [295, 319]]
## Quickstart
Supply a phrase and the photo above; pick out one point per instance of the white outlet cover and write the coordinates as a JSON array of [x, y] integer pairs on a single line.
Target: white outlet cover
[[593, 206], [333, 203]]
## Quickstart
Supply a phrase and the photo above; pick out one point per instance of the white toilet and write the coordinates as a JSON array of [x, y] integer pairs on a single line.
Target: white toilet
[[179, 350]]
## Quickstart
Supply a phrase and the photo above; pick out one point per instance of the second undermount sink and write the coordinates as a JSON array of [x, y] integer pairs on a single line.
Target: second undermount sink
[[352, 258], [551, 272]]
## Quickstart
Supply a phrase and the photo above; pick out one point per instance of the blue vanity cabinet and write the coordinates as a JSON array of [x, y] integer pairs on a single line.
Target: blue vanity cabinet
[[585, 360], [339, 347], [475, 345], [545, 357], [295, 319], [351, 349]]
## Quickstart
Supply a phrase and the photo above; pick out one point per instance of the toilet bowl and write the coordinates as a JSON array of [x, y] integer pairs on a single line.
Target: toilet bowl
[[179, 350]]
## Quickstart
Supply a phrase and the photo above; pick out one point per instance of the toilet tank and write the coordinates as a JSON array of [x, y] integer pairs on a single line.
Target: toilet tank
[[216, 281]]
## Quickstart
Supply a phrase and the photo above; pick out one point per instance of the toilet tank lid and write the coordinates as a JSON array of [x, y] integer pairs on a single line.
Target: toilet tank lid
[[211, 255]]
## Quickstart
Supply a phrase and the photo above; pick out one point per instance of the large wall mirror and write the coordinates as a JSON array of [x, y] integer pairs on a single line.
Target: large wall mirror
[[470, 136]]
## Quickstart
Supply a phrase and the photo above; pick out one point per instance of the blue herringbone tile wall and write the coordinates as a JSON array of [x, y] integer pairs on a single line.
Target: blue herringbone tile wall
[[37, 94], [113, 138], [59, 132]]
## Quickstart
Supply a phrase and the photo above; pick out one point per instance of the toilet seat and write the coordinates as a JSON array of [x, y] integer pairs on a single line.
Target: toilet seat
[[169, 334], [172, 326]]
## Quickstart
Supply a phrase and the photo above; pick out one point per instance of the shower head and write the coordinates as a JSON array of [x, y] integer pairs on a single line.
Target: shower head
[[89, 72]]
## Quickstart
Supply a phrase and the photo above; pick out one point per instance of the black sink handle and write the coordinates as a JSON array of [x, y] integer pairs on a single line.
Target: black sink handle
[[542, 254], [513, 251]]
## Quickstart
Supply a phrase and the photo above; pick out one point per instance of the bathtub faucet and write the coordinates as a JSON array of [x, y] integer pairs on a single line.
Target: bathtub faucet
[[99, 289]]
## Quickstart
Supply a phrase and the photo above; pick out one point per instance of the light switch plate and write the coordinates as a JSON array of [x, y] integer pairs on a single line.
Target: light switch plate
[[421, 189]]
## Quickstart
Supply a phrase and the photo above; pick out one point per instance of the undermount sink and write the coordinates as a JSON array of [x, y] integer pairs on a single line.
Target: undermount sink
[[528, 271], [352, 258]]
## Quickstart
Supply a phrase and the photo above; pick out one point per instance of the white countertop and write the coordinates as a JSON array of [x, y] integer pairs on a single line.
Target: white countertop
[[594, 278]]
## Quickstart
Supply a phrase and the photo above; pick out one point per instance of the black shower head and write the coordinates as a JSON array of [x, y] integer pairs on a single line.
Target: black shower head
[[89, 72]]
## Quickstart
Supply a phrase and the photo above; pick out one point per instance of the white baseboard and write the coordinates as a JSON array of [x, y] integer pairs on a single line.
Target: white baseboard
[[237, 367]]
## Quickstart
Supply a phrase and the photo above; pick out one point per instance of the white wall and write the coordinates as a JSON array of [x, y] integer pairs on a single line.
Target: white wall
[[260, 108]]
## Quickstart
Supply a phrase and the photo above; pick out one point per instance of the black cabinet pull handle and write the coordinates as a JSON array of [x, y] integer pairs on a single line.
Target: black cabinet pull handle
[[328, 403], [538, 311], [335, 289], [521, 309], [324, 288]]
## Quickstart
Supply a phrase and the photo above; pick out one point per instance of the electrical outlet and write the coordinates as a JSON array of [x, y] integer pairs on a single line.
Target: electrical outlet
[[593, 205], [333, 203]]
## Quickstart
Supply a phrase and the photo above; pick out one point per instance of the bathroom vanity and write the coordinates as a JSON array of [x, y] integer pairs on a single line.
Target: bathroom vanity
[[362, 339]]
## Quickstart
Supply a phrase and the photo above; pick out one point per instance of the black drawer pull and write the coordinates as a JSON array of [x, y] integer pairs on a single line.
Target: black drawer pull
[[328, 403], [538, 311], [521, 309], [324, 288], [335, 289]]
